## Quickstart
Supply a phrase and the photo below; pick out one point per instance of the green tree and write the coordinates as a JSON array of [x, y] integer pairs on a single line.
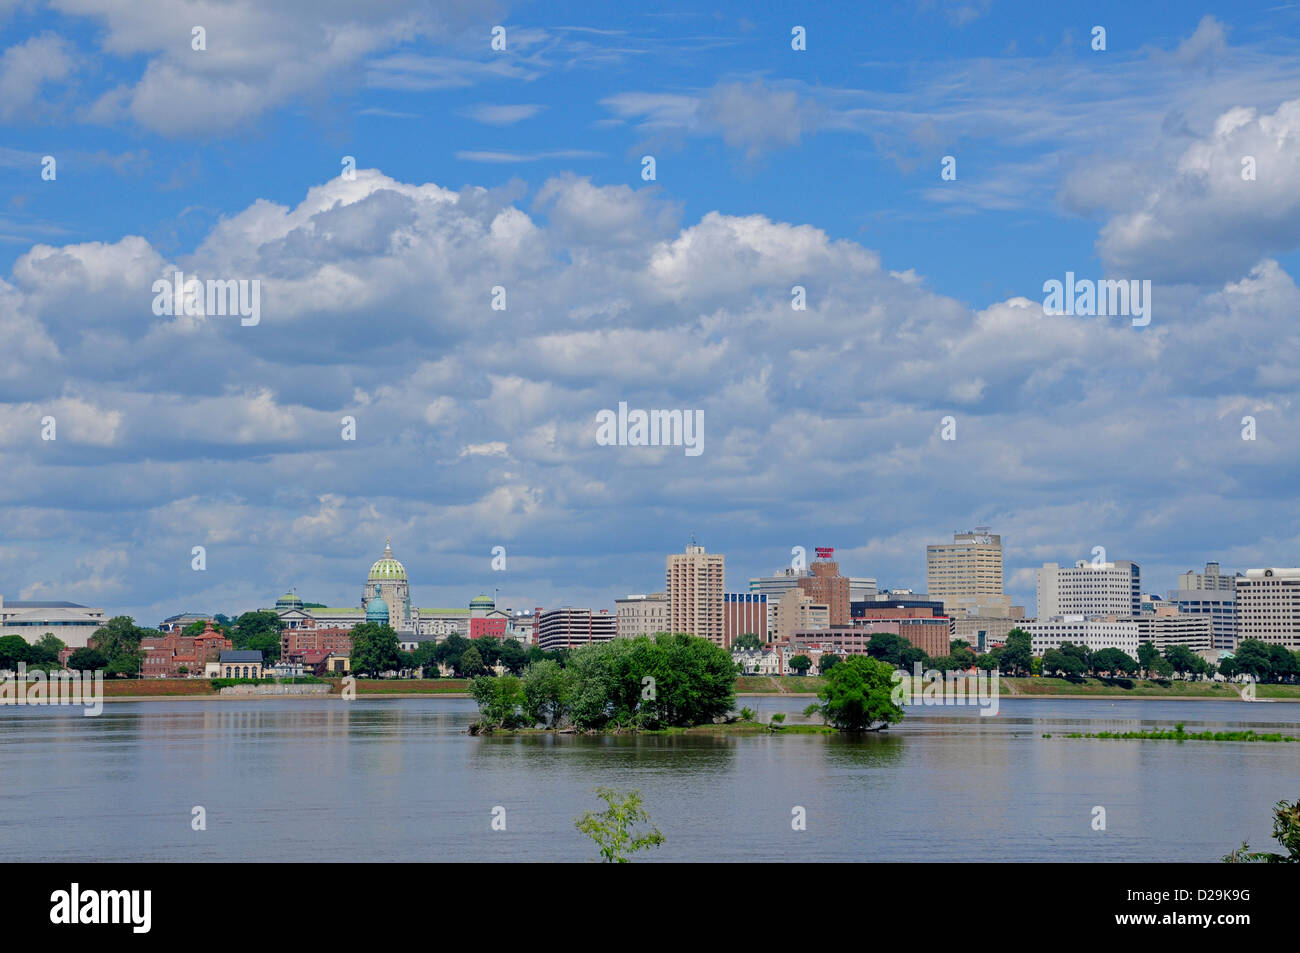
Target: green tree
[[800, 664], [375, 649], [86, 660], [548, 693], [451, 649], [1147, 655], [828, 661], [1016, 656], [857, 695], [613, 829], [513, 656], [500, 700], [14, 649], [1114, 661], [987, 662], [888, 648], [471, 663], [1181, 659], [748, 642], [118, 640], [260, 632], [51, 644]]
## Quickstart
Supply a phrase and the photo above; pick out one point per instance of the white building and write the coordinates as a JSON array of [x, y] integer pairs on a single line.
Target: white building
[[1210, 579], [1096, 633], [758, 661], [1219, 605], [72, 623], [1088, 589], [1268, 606], [1167, 629], [644, 614], [695, 582]]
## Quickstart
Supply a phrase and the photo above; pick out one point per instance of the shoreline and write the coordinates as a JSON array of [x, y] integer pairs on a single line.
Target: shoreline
[[207, 696]]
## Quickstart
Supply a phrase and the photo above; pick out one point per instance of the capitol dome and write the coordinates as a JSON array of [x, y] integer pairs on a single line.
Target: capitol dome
[[386, 568], [377, 611], [482, 601]]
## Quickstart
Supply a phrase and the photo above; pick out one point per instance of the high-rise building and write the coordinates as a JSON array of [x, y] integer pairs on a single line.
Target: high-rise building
[[1268, 607], [1090, 589], [966, 574], [774, 587], [827, 587], [695, 581], [744, 613], [799, 611], [1210, 579], [643, 614], [568, 628]]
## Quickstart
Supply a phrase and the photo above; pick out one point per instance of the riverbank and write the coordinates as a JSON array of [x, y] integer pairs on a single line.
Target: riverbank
[[748, 686]]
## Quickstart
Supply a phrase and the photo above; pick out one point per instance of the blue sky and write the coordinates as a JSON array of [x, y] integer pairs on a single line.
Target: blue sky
[[522, 168]]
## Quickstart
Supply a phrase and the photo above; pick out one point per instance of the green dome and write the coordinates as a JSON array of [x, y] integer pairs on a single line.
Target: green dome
[[386, 568], [482, 601], [377, 611], [289, 600]]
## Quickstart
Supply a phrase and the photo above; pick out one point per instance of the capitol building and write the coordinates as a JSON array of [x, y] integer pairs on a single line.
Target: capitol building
[[386, 600]]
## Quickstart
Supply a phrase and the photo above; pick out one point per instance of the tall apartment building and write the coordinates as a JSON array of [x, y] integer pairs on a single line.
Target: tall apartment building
[[1113, 588], [568, 628], [1268, 606], [827, 587], [1210, 579], [641, 614], [966, 574], [695, 587], [742, 613]]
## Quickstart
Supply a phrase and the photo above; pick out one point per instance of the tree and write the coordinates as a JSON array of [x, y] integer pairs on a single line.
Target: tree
[[513, 656], [1181, 659], [888, 648], [471, 663], [1114, 661], [1016, 657], [375, 649], [548, 693], [450, 650], [613, 828], [828, 661], [260, 632], [987, 662], [14, 649], [748, 642], [500, 699], [800, 664], [86, 660], [489, 649], [118, 640], [1147, 655], [1160, 668], [857, 695], [1286, 831], [1253, 658], [1056, 661], [51, 644]]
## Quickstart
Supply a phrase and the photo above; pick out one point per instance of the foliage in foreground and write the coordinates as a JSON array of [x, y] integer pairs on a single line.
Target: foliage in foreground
[[1286, 831], [613, 828]]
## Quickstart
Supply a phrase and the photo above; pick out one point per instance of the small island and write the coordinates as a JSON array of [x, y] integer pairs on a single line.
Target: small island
[[668, 684]]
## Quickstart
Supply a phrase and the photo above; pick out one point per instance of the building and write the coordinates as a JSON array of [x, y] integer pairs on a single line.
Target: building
[[985, 633], [797, 610], [827, 587], [521, 626], [644, 614], [695, 586], [765, 661], [1099, 632], [295, 643], [178, 623], [173, 655], [72, 623], [568, 628], [1268, 607], [861, 588], [1210, 579], [743, 613], [387, 581], [240, 664], [1167, 627], [1219, 604], [928, 633], [485, 619], [774, 587], [966, 574], [1088, 589]]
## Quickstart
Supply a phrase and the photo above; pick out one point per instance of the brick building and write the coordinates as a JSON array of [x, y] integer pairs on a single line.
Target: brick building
[[166, 655]]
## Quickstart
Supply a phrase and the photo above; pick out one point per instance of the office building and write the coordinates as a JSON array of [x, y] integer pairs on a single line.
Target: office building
[[966, 574], [742, 613], [1220, 605], [1268, 607], [568, 628], [797, 610], [1090, 589], [1100, 632], [643, 614], [1210, 579], [72, 623], [827, 587]]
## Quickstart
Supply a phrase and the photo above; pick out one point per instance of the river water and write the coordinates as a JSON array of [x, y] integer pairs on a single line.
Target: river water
[[400, 780]]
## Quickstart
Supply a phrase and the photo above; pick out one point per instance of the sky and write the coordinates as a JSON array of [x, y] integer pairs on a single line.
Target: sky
[[1171, 156]]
